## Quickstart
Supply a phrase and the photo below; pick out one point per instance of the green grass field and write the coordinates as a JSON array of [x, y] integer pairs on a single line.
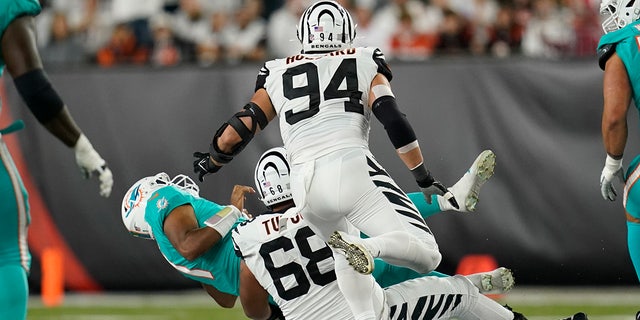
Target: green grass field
[[536, 303]]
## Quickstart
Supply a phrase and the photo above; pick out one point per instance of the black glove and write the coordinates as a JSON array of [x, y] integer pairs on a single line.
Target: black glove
[[276, 313], [430, 186], [203, 165]]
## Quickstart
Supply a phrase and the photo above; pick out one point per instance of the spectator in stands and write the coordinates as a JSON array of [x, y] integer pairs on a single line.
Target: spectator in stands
[[362, 13], [244, 37], [548, 34], [193, 32], [410, 44], [505, 35], [281, 38], [65, 47], [454, 36], [481, 20], [165, 52], [386, 19], [122, 48]]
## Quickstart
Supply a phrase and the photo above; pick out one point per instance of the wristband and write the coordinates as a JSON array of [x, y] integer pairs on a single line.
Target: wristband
[[224, 220], [422, 175]]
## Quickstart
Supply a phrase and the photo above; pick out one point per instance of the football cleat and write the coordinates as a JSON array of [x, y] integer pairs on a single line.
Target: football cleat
[[516, 315], [497, 281], [467, 189], [359, 258], [577, 316]]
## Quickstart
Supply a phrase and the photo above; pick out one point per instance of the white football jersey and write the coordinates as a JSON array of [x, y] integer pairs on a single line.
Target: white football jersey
[[295, 266], [322, 100]]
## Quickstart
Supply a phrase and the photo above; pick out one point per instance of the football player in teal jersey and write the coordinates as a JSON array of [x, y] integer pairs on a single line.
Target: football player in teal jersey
[[19, 54], [619, 57], [194, 237]]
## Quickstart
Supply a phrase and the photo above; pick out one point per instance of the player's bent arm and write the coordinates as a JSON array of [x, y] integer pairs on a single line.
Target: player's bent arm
[[229, 141], [182, 230], [225, 300], [20, 53], [238, 196], [382, 102], [617, 98], [254, 298]]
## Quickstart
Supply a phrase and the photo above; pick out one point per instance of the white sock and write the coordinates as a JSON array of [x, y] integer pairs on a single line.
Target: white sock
[[352, 285]]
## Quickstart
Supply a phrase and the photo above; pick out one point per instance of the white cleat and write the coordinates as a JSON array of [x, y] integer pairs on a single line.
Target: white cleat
[[497, 281], [359, 258], [467, 189]]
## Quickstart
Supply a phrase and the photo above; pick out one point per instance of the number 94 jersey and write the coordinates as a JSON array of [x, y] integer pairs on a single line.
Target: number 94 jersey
[[294, 265], [322, 100]]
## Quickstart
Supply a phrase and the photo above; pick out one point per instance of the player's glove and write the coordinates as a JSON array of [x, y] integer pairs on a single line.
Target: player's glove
[[430, 186], [91, 164], [612, 170], [203, 165], [276, 313]]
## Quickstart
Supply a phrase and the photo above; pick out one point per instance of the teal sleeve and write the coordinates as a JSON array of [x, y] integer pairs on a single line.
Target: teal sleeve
[[387, 274], [426, 210]]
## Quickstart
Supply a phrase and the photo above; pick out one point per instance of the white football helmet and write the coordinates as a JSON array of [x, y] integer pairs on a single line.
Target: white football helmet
[[272, 177], [134, 204], [326, 26], [187, 184], [135, 200], [617, 14]]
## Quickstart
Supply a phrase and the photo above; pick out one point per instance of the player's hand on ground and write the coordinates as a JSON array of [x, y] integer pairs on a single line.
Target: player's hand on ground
[[203, 165], [92, 164], [612, 170]]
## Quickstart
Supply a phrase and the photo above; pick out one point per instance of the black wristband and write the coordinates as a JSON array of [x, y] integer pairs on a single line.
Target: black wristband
[[218, 155], [423, 176], [276, 313]]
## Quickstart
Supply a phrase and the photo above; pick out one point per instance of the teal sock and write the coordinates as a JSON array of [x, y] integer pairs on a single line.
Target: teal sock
[[426, 210], [633, 243]]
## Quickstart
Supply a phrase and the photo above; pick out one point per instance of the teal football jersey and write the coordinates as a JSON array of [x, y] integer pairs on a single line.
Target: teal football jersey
[[627, 46], [219, 266]]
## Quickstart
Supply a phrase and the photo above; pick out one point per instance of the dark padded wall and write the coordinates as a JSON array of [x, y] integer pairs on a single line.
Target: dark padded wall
[[541, 214]]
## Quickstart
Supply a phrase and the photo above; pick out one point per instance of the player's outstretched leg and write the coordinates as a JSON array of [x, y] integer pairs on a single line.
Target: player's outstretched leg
[[359, 257], [467, 189]]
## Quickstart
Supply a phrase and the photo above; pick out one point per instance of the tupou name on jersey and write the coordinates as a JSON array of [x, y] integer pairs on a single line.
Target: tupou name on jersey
[[331, 54], [273, 224]]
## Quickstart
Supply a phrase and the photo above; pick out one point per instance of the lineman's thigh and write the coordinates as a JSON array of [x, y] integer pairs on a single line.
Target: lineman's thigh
[[442, 298], [316, 199], [14, 292]]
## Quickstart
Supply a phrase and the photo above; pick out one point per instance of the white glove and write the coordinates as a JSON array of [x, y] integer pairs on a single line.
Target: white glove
[[91, 163], [612, 169]]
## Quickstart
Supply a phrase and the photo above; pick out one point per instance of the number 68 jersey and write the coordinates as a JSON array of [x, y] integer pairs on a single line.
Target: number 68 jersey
[[294, 266], [322, 99]]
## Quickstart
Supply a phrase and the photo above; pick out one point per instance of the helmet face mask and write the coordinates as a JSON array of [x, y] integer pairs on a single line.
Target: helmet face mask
[[325, 26], [134, 204], [272, 177], [617, 14], [187, 184]]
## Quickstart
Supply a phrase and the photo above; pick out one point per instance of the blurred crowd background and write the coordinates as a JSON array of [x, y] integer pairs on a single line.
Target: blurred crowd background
[[166, 33]]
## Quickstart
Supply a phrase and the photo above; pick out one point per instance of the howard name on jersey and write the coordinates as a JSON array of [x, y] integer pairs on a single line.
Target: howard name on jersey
[[322, 99], [292, 263]]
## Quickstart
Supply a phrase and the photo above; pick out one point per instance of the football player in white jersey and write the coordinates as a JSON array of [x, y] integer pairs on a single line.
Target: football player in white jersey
[[295, 267], [324, 98]]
